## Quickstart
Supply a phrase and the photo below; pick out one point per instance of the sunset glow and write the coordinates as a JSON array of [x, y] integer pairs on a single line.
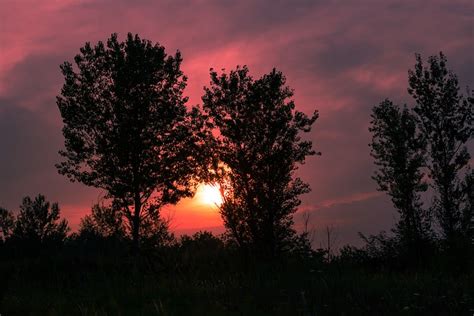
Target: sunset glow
[[336, 64], [209, 194], [236, 157]]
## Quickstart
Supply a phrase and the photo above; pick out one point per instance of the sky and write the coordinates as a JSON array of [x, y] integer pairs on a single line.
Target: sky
[[340, 57]]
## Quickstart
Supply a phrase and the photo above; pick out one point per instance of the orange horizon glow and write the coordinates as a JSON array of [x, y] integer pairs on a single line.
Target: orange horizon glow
[[201, 212]]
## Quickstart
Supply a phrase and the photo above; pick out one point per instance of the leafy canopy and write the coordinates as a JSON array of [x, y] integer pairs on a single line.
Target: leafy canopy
[[7, 221], [38, 221], [399, 153], [445, 118], [258, 141], [126, 127]]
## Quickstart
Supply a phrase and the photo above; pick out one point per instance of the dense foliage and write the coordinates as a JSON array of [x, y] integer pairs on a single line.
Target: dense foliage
[[399, 153], [38, 223], [446, 121], [126, 126], [259, 145]]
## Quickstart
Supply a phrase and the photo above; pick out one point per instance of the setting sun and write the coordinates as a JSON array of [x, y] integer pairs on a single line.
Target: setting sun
[[209, 194]]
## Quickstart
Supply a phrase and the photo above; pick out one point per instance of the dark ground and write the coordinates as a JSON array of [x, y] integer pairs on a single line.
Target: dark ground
[[183, 282]]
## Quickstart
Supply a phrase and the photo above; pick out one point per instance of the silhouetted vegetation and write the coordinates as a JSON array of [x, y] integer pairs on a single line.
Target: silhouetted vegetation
[[399, 152], [446, 121], [467, 221], [259, 146], [38, 224], [431, 137], [6, 223], [127, 131]]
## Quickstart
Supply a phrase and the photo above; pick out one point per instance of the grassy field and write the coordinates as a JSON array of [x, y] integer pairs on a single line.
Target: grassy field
[[178, 284]]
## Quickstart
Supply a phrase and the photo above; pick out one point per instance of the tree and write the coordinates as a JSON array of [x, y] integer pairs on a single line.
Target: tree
[[7, 221], [38, 222], [155, 229], [445, 118], [399, 153], [104, 221], [258, 142], [126, 126], [109, 223]]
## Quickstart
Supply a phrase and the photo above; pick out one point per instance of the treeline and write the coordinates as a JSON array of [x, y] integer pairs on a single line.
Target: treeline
[[128, 131], [38, 234], [423, 149]]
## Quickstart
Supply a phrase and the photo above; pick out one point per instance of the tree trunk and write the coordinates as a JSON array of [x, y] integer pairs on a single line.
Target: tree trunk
[[136, 225]]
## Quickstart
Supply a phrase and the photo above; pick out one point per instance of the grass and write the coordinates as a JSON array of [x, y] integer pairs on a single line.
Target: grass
[[222, 285]]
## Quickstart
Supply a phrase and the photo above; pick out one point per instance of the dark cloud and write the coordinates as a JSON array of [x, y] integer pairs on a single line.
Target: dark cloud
[[29, 146], [33, 83]]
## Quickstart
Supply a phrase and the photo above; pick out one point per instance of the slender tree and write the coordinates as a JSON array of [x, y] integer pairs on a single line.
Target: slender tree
[[39, 222], [399, 153], [7, 222], [126, 126], [259, 146], [445, 119]]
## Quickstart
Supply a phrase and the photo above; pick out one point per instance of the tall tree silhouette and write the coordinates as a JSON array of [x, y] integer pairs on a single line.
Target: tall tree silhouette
[[399, 153], [446, 120], [126, 126], [7, 222], [259, 145], [39, 223]]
